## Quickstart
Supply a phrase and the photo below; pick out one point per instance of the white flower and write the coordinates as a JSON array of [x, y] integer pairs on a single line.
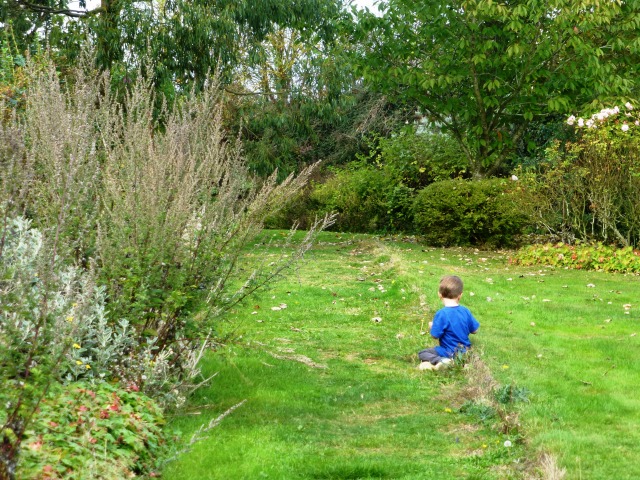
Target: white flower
[[581, 122], [571, 120], [514, 178], [591, 123], [629, 106], [624, 127], [507, 443]]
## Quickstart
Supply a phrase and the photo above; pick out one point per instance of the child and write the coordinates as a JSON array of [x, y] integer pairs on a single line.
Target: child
[[451, 325]]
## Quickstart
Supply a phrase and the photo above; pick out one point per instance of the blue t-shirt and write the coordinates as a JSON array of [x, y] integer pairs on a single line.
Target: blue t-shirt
[[452, 326]]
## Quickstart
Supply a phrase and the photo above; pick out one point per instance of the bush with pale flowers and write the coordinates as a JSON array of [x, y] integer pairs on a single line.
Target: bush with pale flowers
[[589, 186]]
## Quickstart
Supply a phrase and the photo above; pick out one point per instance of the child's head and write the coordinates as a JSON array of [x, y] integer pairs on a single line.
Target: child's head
[[450, 287]]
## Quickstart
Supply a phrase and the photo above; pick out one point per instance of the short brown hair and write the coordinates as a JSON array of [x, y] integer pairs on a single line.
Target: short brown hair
[[450, 287]]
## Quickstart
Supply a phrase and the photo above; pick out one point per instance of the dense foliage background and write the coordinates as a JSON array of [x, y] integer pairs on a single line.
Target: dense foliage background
[[144, 145]]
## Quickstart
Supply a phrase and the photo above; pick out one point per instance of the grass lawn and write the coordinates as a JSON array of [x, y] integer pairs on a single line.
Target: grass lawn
[[332, 390]]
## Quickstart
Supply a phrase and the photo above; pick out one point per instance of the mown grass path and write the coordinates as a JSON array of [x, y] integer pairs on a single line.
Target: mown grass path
[[332, 390]]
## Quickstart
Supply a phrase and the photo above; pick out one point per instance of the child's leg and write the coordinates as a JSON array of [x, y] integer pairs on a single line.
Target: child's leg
[[429, 355]]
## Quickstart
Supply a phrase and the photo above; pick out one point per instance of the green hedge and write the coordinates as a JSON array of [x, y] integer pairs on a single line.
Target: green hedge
[[366, 200], [462, 212]]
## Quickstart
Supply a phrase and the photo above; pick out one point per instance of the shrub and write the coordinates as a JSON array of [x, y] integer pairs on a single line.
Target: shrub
[[419, 157], [162, 205], [581, 256], [365, 200], [589, 188], [53, 328], [88, 430], [136, 218], [461, 212]]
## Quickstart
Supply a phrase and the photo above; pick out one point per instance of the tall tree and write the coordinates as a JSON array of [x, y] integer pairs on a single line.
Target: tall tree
[[301, 102], [186, 38], [484, 69]]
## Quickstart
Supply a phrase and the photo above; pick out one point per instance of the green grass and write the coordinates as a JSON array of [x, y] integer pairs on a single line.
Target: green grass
[[370, 414]]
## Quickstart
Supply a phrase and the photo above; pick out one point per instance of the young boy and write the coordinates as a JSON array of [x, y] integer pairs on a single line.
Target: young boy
[[451, 325]]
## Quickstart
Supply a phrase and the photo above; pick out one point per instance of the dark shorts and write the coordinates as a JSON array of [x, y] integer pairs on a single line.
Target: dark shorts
[[430, 355]]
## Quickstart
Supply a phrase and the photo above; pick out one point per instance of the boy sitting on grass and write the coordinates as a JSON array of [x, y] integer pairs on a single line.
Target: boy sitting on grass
[[451, 325]]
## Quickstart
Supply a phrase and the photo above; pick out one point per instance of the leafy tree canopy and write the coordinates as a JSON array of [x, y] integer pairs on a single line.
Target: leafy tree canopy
[[186, 38], [484, 69]]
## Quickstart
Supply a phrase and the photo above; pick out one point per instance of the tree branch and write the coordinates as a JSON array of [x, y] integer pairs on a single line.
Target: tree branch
[[58, 11]]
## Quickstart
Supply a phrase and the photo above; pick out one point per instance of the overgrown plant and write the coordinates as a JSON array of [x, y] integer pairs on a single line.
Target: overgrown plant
[[52, 328], [177, 209], [588, 188], [135, 219]]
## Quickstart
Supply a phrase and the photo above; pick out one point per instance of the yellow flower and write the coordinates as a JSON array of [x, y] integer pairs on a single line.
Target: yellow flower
[[448, 410], [74, 305], [88, 366], [484, 445], [78, 362], [69, 318], [505, 367], [75, 345]]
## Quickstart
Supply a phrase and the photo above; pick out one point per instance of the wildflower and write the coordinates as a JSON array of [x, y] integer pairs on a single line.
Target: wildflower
[[88, 367], [505, 367], [571, 120], [78, 362], [624, 127], [590, 123], [629, 106], [448, 410], [70, 319], [75, 345], [581, 122], [514, 178], [507, 443]]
